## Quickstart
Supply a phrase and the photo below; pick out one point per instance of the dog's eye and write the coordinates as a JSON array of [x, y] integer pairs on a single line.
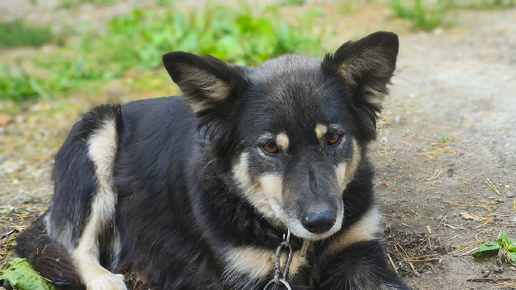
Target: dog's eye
[[333, 138], [270, 147]]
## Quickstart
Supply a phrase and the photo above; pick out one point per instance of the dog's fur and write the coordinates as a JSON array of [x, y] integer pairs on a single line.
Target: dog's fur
[[197, 192]]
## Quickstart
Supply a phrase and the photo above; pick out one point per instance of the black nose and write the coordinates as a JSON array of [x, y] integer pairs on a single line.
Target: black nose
[[319, 222]]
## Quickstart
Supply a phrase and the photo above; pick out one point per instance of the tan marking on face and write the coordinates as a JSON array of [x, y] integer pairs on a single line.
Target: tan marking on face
[[366, 229], [256, 263], [261, 193], [282, 141], [320, 130], [345, 170]]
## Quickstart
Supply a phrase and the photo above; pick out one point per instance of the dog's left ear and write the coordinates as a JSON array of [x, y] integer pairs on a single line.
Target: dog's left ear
[[367, 66], [208, 84]]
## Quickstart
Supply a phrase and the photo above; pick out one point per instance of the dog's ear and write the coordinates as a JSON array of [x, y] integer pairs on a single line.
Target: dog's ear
[[208, 83], [367, 66]]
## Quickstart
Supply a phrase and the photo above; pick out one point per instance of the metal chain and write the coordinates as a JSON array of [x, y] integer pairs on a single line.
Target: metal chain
[[281, 278]]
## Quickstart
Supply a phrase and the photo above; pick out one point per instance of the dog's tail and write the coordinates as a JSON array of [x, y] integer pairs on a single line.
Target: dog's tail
[[46, 256]]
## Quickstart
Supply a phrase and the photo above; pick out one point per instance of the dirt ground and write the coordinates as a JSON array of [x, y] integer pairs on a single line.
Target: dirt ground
[[445, 155]]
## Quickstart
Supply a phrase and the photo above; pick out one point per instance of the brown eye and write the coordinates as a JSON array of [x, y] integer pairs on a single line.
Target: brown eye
[[332, 139], [270, 147]]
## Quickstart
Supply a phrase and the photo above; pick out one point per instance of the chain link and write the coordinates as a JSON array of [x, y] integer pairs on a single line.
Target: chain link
[[281, 278]]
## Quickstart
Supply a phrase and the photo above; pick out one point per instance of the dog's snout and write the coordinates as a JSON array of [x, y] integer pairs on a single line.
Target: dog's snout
[[318, 222]]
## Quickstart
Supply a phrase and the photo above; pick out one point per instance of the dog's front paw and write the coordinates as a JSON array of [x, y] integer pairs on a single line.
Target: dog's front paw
[[107, 282]]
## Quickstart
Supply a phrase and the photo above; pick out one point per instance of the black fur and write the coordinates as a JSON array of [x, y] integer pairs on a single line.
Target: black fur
[[48, 257], [74, 180], [179, 207]]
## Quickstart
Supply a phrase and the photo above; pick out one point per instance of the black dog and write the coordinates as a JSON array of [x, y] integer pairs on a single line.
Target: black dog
[[201, 192]]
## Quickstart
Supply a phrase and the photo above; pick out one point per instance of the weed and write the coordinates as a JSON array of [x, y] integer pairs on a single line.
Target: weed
[[16, 33], [503, 247], [291, 2], [21, 276], [423, 16], [67, 4], [18, 87], [21, 85], [140, 38], [136, 41], [484, 4]]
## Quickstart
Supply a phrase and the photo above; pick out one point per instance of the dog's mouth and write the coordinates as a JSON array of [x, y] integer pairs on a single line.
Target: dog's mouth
[[311, 227]]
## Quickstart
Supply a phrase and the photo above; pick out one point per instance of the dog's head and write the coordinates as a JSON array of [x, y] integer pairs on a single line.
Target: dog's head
[[292, 130]]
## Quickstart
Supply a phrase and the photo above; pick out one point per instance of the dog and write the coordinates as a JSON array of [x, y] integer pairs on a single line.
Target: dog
[[256, 178]]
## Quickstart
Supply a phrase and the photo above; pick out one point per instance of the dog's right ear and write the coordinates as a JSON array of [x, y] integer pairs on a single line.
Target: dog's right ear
[[209, 84]]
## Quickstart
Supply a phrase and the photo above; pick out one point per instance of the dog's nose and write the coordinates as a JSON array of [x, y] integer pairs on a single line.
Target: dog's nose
[[318, 222]]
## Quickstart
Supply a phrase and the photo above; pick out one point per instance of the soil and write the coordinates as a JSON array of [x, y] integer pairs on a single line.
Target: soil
[[445, 155]]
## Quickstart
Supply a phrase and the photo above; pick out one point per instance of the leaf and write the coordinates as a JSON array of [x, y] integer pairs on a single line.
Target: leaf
[[469, 216], [505, 241], [5, 119], [512, 257], [21, 276], [486, 249]]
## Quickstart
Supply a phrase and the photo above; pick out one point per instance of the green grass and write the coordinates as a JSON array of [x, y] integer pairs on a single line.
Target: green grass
[[138, 40], [68, 4], [428, 15], [18, 87], [484, 4], [16, 33], [422, 15]]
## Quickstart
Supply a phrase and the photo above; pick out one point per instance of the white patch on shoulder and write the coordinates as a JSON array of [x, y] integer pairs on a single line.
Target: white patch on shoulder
[[102, 148], [366, 229], [256, 264]]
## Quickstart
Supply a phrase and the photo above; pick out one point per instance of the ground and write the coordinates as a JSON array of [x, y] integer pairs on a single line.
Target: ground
[[445, 154]]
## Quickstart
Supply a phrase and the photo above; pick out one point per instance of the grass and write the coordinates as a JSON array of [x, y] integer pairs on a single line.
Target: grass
[[68, 4], [140, 38], [137, 40], [20, 85], [485, 4], [428, 15], [16, 33], [422, 15]]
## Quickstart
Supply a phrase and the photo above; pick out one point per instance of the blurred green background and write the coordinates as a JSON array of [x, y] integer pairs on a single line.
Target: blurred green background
[[58, 58], [56, 49]]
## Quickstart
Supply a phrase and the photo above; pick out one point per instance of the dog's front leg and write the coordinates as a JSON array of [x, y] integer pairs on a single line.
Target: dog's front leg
[[102, 146], [360, 266]]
